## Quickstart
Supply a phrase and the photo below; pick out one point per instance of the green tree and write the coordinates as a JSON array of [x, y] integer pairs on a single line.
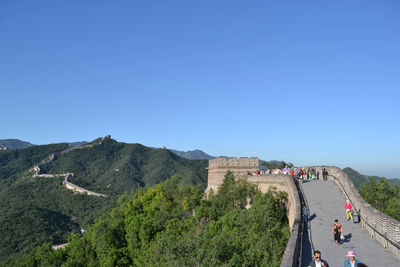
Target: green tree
[[383, 196], [167, 225]]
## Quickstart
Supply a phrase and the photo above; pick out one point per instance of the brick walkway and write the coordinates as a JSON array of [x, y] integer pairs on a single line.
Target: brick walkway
[[327, 204]]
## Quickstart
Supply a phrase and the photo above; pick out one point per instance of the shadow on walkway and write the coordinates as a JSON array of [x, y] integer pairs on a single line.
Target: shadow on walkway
[[307, 251], [347, 238]]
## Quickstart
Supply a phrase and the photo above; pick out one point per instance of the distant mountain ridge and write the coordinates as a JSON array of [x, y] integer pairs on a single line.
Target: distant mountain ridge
[[192, 154], [359, 179], [14, 143], [79, 143], [19, 144]]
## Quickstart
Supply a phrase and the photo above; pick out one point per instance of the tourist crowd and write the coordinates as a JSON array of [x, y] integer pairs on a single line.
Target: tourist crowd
[[300, 173]]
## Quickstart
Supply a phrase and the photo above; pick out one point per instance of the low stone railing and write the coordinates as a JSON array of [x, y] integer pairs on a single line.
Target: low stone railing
[[381, 227], [293, 251]]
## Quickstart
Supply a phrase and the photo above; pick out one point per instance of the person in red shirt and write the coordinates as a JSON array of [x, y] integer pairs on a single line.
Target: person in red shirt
[[348, 208]]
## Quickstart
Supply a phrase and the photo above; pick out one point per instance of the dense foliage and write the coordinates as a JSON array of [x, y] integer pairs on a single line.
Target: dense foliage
[[383, 196], [173, 225], [35, 210]]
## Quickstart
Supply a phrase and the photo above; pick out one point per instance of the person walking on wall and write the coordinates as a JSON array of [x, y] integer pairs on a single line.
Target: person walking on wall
[[348, 208], [318, 262], [306, 213], [337, 230], [324, 174], [351, 261], [300, 175]]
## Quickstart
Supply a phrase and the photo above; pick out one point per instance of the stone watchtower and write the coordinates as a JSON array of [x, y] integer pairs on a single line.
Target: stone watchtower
[[218, 167]]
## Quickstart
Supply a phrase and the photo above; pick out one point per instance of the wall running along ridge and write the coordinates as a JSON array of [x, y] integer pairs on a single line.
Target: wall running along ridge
[[66, 183]]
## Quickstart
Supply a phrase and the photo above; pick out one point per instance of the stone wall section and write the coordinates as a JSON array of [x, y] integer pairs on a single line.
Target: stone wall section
[[66, 183], [78, 189], [218, 167], [241, 167], [381, 227]]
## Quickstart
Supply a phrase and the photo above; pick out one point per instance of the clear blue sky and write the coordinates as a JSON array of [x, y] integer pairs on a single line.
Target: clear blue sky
[[311, 82]]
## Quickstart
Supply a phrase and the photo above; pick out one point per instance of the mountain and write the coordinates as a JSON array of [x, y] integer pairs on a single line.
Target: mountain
[[80, 143], [358, 178], [192, 154], [34, 210], [394, 181], [14, 143]]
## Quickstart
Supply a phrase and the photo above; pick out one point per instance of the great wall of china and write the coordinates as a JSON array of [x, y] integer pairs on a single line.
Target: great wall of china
[[381, 227], [68, 176], [66, 183]]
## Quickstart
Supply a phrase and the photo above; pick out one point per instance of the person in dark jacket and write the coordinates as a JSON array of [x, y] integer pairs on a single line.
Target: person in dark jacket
[[317, 262], [324, 174]]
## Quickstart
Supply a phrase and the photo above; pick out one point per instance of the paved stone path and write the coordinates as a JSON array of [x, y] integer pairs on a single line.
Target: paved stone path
[[327, 204]]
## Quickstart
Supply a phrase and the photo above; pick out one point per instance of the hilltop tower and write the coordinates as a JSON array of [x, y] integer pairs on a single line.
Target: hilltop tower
[[218, 167]]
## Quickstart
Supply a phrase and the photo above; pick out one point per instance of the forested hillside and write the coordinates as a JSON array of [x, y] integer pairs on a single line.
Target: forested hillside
[[173, 225], [113, 167], [16, 163], [359, 179], [383, 196], [34, 210], [194, 154]]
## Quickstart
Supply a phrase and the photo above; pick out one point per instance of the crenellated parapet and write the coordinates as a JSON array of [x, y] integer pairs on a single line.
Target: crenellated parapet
[[218, 167], [233, 162]]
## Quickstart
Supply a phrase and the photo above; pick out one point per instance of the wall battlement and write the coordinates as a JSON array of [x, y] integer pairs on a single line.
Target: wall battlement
[[218, 167], [233, 162]]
